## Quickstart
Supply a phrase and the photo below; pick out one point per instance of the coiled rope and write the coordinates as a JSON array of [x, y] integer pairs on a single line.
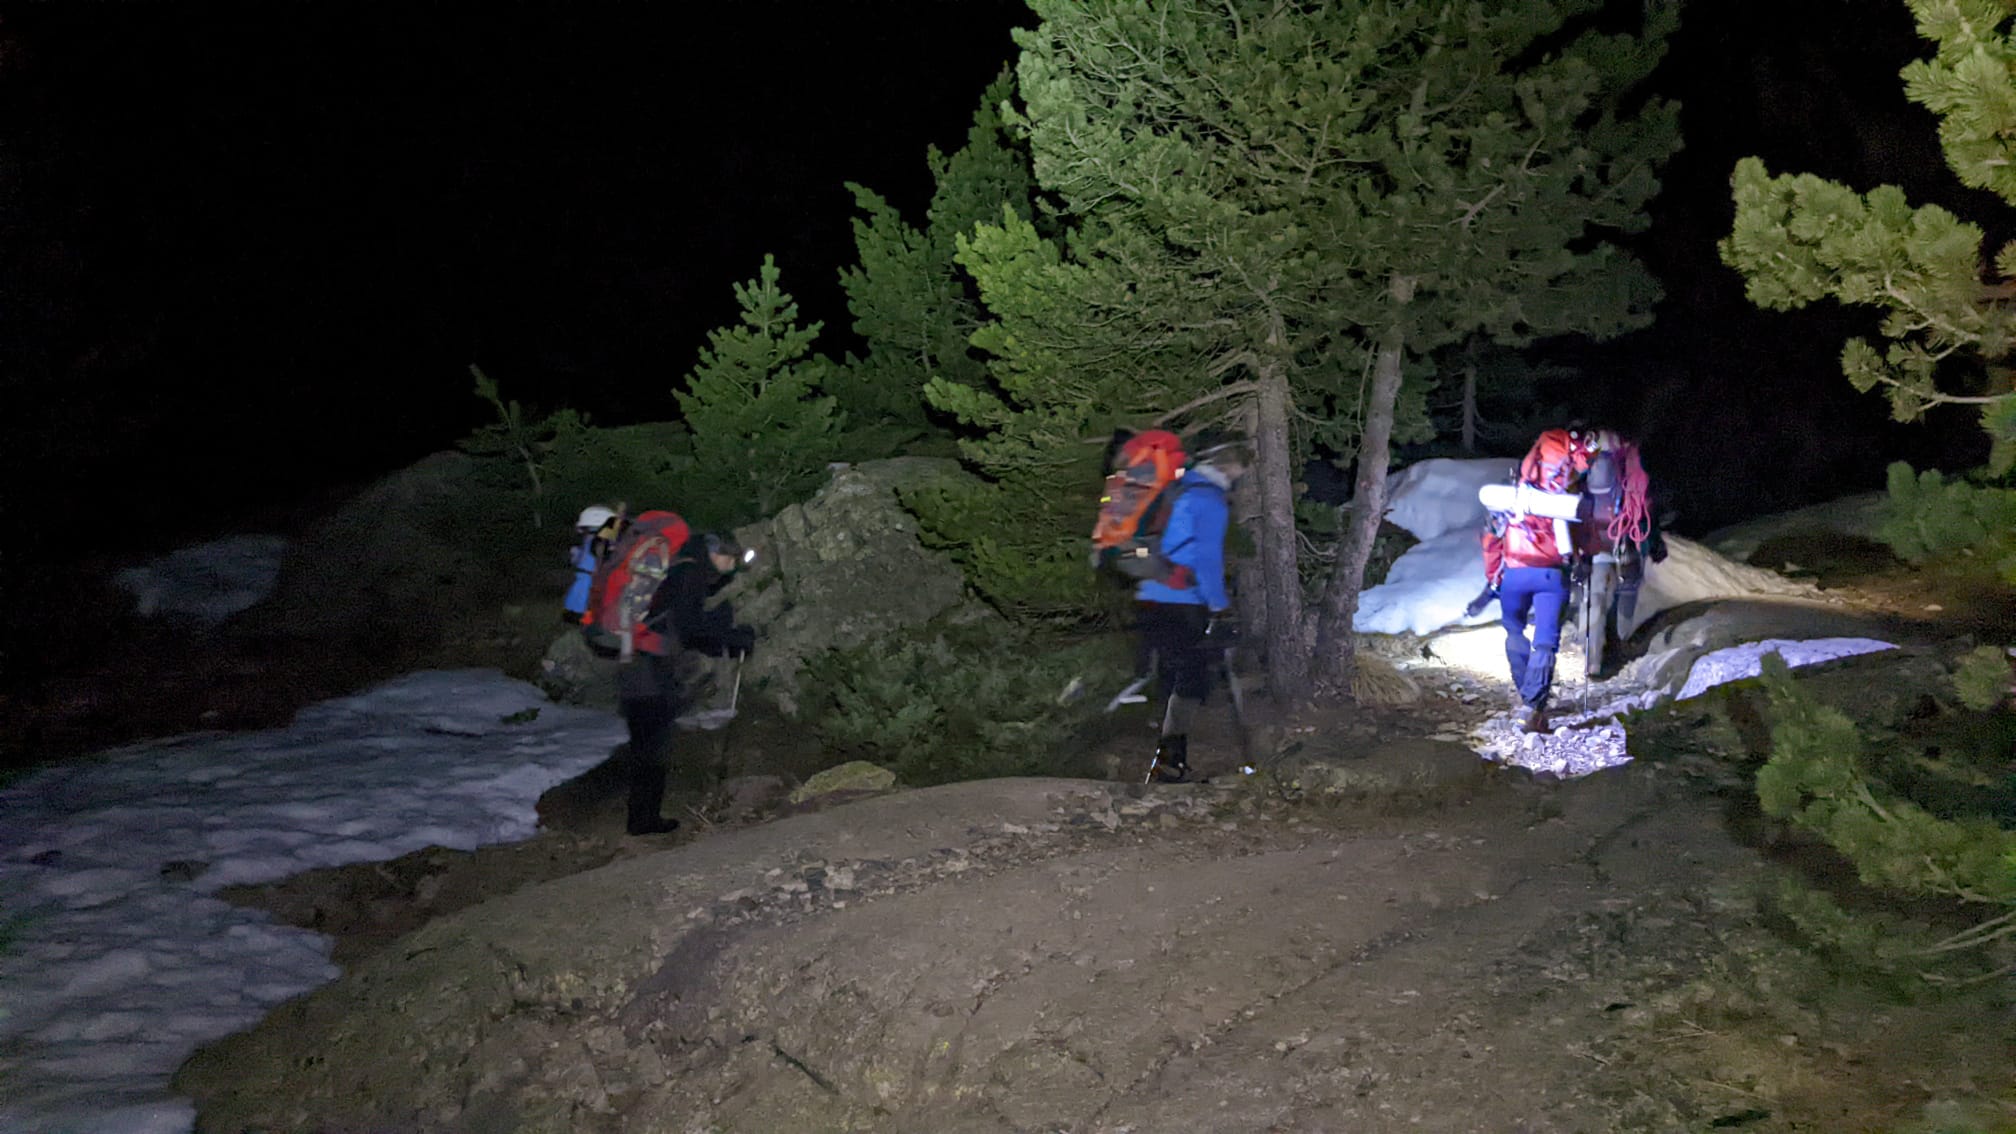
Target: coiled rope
[[1633, 519]]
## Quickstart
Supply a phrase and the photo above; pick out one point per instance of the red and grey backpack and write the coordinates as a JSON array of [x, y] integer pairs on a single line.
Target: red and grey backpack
[[620, 597], [1135, 505], [1558, 459]]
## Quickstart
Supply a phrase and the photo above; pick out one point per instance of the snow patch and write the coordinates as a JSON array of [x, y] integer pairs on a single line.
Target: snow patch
[[1429, 585], [121, 968], [207, 583], [1693, 573], [1427, 588], [1435, 497], [1588, 739], [1735, 663]]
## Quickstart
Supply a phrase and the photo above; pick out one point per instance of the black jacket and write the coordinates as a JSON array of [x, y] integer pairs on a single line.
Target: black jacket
[[679, 606]]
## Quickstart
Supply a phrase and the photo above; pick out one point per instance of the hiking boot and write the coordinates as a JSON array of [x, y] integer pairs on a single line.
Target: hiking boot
[[654, 827], [1536, 721], [1172, 760]]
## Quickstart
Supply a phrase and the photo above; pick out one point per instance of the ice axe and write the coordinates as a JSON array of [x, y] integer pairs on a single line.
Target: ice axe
[[707, 720]]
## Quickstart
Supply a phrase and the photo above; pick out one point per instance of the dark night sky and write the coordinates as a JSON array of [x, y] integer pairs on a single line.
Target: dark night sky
[[250, 250]]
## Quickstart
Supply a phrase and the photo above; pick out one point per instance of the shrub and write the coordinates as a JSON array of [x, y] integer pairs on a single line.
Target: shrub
[[1982, 679], [1927, 516], [1821, 778], [1021, 546], [961, 702]]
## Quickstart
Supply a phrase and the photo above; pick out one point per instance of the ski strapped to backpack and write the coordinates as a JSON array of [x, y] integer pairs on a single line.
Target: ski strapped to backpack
[[620, 598], [1135, 505], [1548, 486]]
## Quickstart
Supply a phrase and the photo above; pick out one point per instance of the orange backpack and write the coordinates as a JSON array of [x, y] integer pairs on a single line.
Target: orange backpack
[[1135, 503], [1558, 459]]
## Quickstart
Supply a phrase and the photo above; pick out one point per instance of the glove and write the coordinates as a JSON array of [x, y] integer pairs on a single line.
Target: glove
[[1223, 629], [1484, 598], [1580, 571], [738, 640]]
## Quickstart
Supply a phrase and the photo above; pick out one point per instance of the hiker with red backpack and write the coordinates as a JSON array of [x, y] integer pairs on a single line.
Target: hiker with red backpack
[[648, 603], [1529, 551], [1163, 521]]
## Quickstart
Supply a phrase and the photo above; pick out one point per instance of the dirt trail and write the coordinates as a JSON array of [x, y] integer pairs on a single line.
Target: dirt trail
[[1064, 956]]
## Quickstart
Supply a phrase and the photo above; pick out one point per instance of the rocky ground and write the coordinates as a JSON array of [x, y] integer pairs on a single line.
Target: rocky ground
[[1481, 953]]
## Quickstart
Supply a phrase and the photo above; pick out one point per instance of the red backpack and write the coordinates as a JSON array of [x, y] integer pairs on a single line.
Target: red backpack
[[620, 596], [1558, 459], [1135, 504]]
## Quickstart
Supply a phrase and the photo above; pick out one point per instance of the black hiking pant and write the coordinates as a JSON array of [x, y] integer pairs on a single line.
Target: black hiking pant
[[1174, 633], [648, 697]]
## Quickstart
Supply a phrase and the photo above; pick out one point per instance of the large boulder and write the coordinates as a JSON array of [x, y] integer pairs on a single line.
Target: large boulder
[[400, 561], [843, 568], [1856, 517]]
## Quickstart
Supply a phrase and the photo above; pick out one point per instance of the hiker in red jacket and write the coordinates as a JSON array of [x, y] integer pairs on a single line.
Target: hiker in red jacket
[[1528, 555]]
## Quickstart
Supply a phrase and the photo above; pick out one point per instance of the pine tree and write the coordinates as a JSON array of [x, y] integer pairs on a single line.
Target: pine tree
[[912, 304], [763, 431], [1272, 201], [1948, 333], [1489, 396]]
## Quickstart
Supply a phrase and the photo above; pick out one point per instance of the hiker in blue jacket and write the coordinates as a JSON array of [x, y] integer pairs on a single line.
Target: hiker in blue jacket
[[1176, 613]]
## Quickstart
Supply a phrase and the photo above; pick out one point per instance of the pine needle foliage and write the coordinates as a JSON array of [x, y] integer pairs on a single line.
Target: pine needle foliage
[[1947, 331], [961, 702], [1268, 201], [763, 429], [1982, 679], [1927, 516], [913, 305], [1820, 778]]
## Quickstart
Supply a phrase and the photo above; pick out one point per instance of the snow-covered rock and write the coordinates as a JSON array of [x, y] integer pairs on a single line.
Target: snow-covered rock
[[1692, 572], [1434, 497], [207, 583]]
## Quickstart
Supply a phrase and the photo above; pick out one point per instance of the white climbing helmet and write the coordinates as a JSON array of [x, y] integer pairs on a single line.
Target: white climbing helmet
[[593, 517]]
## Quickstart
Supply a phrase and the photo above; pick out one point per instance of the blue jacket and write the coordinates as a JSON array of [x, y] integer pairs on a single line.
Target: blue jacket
[[1195, 538], [583, 558]]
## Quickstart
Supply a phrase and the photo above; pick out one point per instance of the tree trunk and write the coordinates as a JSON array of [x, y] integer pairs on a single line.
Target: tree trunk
[[1470, 404], [1287, 643], [1336, 645], [1249, 598]]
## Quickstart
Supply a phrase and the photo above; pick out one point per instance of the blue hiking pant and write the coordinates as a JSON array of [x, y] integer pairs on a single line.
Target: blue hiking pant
[[1532, 596]]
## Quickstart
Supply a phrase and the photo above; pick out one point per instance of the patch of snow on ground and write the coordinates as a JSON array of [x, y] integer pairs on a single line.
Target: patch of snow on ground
[[1738, 662], [207, 583], [1590, 737], [1426, 588], [119, 970], [1430, 584]]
